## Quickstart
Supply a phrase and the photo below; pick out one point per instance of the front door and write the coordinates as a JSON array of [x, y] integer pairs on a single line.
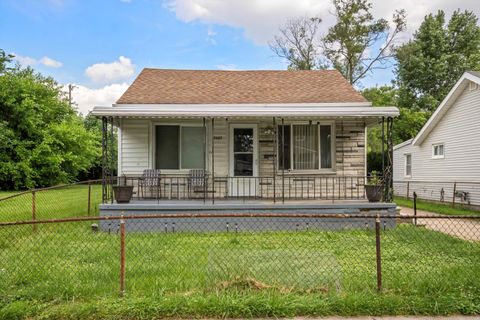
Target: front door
[[243, 160]]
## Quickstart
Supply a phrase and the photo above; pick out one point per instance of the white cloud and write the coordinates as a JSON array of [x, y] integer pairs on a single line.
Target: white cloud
[[211, 36], [86, 98], [228, 66], [260, 19], [106, 73], [29, 61], [49, 62], [24, 60]]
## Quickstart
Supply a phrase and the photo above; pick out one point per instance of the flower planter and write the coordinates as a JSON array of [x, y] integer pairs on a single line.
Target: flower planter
[[123, 194], [374, 192]]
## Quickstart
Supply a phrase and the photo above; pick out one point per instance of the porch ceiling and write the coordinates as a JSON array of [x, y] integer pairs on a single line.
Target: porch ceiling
[[247, 111]]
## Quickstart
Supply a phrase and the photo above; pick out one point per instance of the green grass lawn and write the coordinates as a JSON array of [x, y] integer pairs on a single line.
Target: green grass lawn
[[70, 201], [435, 207], [6, 193], [66, 271]]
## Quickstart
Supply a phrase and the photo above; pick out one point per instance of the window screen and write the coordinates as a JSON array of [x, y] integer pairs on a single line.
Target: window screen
[[179, 147], [193, 148]]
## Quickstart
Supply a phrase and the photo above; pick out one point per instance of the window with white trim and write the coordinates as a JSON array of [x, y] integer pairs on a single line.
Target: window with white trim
[[179, 147], [306, 146], [408, 165], [438, 151]]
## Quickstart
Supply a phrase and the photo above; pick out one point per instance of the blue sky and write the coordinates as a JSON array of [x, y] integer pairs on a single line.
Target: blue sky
[[101, 45]]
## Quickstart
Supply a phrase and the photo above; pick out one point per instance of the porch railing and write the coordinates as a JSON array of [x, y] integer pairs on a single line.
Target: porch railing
[[291, 187]]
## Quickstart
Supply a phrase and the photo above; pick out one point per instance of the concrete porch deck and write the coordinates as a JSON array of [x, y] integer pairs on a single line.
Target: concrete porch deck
[[232, 223]]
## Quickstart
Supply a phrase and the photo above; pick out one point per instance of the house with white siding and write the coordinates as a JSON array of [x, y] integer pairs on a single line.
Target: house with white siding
[[230, 136], [441, 162]]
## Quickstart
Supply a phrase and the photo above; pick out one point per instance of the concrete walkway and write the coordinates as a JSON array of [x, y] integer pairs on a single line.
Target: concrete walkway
[[466, 229]]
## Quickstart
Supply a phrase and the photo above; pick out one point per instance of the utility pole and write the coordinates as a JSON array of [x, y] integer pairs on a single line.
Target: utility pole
[[70, 89]]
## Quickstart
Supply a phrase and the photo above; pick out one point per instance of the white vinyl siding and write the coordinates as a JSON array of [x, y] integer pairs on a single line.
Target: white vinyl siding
[[133, 147], [458, 130]]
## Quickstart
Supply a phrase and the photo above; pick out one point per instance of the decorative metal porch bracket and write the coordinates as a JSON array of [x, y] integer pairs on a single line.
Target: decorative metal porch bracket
[[107, 159], [388, 167]]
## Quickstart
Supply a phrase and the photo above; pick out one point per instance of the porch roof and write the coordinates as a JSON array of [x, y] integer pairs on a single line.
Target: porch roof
[[332, 110]]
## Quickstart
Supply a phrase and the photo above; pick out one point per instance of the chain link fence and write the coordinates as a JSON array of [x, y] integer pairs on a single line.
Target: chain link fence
[[466, 193], [73, 200], [304, 254]]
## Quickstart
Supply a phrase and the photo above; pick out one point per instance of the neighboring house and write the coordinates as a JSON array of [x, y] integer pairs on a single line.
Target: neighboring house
[[276, 135], [445, 154]]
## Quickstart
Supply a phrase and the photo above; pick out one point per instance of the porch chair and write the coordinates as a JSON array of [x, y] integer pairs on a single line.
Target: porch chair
[[197, 180], [149, 179]]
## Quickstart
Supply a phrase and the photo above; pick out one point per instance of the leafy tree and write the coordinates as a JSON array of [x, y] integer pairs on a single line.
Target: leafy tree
[[43, 141], [406, 126], [379, 96], [430, 64], [5, 59], [298, 43], [349, 44], [94, 125]]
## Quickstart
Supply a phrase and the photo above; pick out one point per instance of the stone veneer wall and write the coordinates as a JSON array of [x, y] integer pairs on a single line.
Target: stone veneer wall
[[346, 181]]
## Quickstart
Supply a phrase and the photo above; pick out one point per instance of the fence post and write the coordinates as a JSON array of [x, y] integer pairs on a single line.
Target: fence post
[[122, 257], [89, 201], [415, 207], [378, 254], [408, 190], [454, 191], [34, 211]]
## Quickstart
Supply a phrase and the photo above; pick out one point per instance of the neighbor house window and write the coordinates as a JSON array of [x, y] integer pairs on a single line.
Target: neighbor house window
[[438, 150], [179, 147], [305, 147], [408, 165]]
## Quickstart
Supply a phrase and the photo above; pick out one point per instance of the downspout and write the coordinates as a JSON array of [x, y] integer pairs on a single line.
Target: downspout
[[275, 151], [204, 161], [213, 160], [283, 161]]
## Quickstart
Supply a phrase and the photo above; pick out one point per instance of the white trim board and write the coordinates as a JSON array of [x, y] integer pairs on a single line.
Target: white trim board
[[445, 105], [403, 144], [200, 111]]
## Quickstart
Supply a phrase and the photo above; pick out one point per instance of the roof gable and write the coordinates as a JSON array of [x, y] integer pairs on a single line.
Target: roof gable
[[445, 105], [162, 86], [403, 144]]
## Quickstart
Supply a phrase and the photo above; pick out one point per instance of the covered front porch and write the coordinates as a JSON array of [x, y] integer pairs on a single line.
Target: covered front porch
[[257, 155]]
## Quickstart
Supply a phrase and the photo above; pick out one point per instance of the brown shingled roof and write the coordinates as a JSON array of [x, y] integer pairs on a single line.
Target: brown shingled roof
[[161, 86]]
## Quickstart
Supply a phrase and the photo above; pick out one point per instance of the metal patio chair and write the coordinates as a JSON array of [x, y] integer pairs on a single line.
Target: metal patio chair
[[197, 180], [150, 179]]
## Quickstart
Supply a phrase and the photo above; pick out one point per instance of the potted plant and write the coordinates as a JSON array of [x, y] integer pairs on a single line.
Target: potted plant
[[123, 192], [374, 187]]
